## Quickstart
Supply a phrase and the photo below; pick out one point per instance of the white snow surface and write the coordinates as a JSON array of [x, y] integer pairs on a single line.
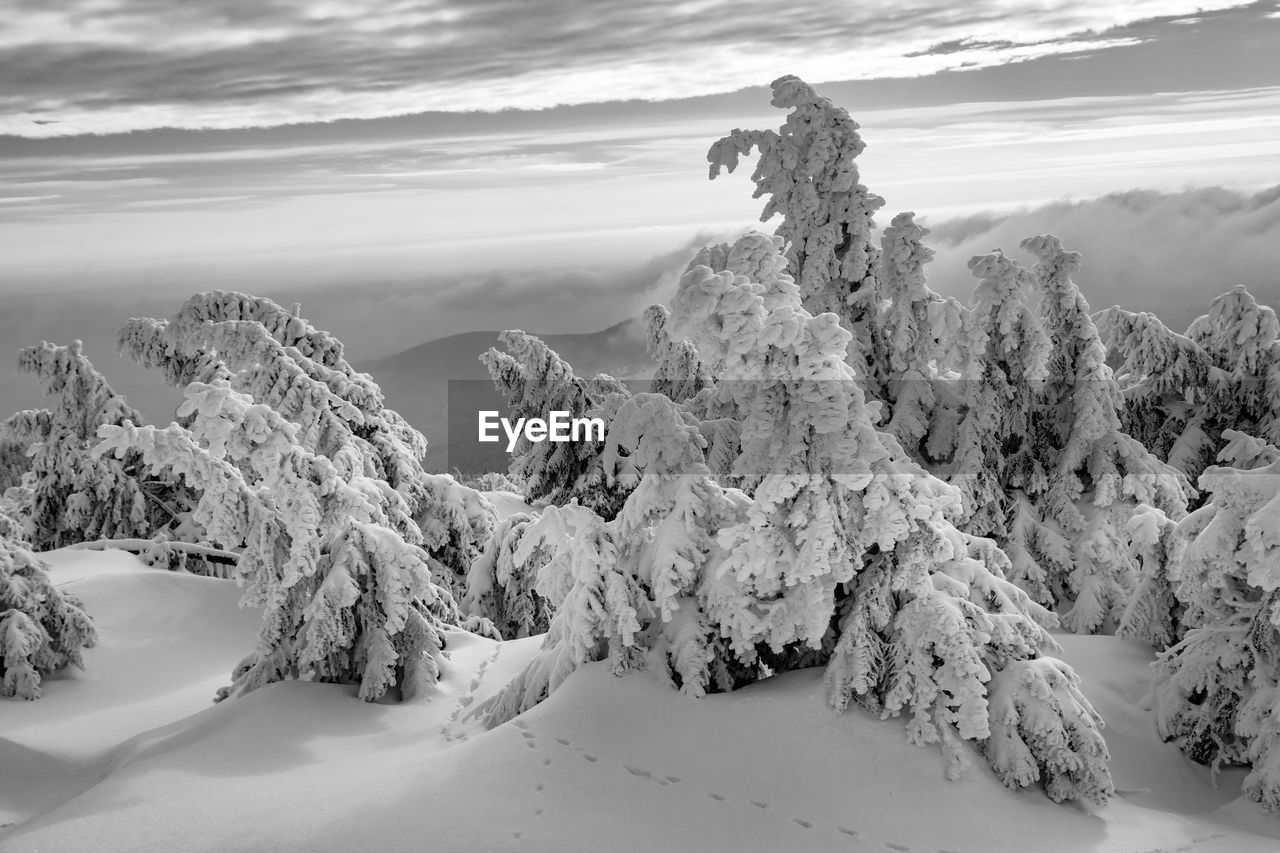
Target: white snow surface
[[131, 755]]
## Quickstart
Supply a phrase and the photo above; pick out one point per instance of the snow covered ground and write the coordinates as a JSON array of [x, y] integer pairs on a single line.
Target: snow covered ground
[[130, 755]]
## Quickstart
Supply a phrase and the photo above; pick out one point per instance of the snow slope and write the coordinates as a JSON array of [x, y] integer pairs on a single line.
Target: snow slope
[[130, 755]]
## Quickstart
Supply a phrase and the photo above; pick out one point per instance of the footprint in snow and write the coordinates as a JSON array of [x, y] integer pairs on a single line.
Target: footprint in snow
[[718, 797], [852, 833], [759, 804], [902, 847], [806, 824]]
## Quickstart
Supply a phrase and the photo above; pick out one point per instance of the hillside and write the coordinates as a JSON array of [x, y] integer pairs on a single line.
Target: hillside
[[416, 381]]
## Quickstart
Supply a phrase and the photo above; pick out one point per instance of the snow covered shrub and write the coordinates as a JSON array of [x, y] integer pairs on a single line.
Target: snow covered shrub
[[501, 584], [330, 552], [807, 170], [42, 629], [73, 496], [13, 462], [535, 381], [1218, 689], [1182, 391], [839, 551]]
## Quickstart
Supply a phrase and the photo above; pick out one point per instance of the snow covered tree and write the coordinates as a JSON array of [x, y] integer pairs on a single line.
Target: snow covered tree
[[1182, 391], [1009, 351], [808, 170], [42, 629], [680, 375], [1153, 612], [1218, 688], [280, 360], [73, 496], [330, 553], [631, 590], [501, 585], [1097, 476], [535, 381], [912, 343], [840, 552]]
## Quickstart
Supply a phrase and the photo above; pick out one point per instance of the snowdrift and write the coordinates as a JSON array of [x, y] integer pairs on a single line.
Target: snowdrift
[[130, 755]]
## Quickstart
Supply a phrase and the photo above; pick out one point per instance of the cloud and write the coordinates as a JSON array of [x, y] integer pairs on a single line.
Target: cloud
[[84, 66], [1169, 253]]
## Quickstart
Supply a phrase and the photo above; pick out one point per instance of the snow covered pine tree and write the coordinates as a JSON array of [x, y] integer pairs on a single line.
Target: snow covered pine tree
[[42, 629], [1218, 689], [73, 496], [299, 465], [839, 552]]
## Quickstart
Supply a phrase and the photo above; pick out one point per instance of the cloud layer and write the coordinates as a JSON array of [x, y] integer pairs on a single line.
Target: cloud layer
[[106, 66], [1169, 253]]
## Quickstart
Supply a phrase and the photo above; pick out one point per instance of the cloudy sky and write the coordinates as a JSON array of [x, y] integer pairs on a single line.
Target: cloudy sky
[[412, 168]]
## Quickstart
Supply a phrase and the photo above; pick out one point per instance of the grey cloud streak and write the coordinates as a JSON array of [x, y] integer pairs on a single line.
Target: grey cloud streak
[[89, 67]]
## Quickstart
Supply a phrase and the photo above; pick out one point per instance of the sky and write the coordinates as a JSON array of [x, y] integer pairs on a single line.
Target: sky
[[412, 168]]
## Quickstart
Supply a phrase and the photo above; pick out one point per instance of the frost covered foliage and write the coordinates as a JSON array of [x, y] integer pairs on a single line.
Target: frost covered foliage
[[1218, 689], [456, 530], [330, 552], [1182, 391], [280, 360], [501, 586], [1088, 477], [535, 381], [1009, 352], [838, 551], [42, 629], [913, 343], [13, 462], [73, 496], [1153, 612], [680, 374], [632, 591], [807, 170]]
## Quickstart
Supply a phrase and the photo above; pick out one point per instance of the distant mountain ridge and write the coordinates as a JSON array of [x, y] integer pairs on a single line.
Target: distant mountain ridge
[[416, 381]]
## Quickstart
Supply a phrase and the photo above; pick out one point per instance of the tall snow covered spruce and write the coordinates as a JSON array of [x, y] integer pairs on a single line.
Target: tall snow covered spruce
[[73, 496], [914, 340], [42, 629], [839, 551], [808, 170], [1218, 689]]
